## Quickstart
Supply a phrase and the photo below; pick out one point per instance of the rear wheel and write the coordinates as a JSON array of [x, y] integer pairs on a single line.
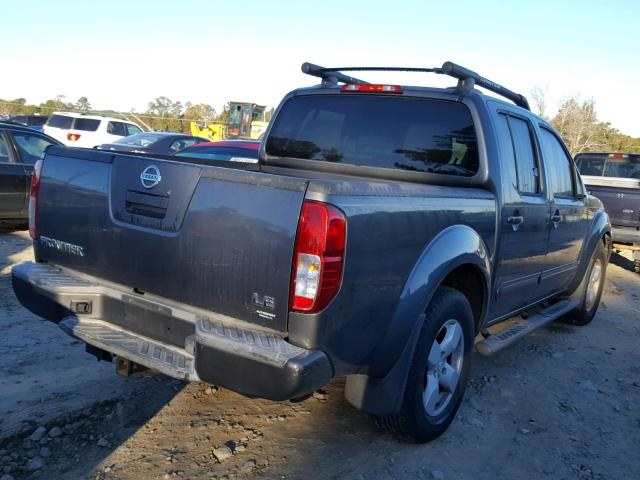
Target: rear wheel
[[593, 291], [439, 369]]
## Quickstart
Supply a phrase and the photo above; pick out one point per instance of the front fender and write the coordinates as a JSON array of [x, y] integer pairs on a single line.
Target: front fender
[[380, 392]]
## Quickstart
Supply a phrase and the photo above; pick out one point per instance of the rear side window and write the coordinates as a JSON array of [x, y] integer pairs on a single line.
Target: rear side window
[[526, 162], [86, 124], [60, 121], [423, 135], [558, 164], [117, 128]]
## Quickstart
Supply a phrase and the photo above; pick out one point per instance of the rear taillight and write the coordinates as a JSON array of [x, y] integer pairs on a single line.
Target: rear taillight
[[318, 257], [73, 137], [34, 193]]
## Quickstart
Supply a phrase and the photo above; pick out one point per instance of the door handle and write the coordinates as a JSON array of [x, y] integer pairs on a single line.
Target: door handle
[[515, 221], [556, 218]]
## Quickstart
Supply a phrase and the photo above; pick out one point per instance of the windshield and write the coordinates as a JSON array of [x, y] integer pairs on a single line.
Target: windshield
[[415, 134], [140, 139], [609, 165], [258, 113]]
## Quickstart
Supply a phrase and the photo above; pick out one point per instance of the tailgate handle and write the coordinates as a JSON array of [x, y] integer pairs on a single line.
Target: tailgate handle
[[146, 204]]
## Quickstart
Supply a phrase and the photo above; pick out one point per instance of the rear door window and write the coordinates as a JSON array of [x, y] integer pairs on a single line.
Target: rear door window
[[86, 124], [60, 121], [558, 164], [5, 155], [30, 146], [412, 134]]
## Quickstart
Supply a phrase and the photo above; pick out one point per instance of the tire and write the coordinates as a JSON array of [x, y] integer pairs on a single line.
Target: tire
[[584, 314], [432, 395]]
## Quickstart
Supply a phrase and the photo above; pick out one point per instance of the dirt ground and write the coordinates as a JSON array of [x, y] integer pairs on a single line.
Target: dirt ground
[[562, 403]]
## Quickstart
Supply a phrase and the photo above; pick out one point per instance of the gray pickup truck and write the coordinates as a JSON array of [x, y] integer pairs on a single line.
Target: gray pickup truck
[[615, 179], [382, 233]]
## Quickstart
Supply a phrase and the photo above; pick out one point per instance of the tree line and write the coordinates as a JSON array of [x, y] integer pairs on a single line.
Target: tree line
[[161, 114], [577, 123], [576, 120]]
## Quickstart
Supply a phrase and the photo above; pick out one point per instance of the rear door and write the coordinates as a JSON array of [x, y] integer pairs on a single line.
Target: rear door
[[29, 148], [13, 181], [567, 217], [523, 227]]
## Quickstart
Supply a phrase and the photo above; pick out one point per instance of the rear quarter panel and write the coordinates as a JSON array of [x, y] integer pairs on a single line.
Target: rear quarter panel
[[389, 226]]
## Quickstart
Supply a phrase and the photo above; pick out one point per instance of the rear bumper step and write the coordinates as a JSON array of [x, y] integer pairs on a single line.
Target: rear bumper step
[[171, 338]]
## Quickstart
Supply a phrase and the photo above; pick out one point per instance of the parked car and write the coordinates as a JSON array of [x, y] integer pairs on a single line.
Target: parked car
[[20, 148], [35, 121], [245, 151], [383, 230], [82, 130], [159, 143], [615, 179]]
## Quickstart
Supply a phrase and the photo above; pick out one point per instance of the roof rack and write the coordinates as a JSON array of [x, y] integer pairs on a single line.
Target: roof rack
[[467, 79]]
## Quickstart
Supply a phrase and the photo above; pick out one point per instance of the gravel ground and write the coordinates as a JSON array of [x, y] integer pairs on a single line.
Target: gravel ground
[[563, 403]]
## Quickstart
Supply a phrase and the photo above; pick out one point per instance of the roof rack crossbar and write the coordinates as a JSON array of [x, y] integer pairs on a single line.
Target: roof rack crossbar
[[328, 75], [466, 78], [464, 75]]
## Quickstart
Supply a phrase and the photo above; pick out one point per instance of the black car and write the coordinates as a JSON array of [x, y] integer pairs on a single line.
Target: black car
[[35, 121], [160, 143], [20, 148]]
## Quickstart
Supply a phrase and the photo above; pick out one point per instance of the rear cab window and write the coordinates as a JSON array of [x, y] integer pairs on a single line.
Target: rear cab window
[[617, 165], [402, 133]]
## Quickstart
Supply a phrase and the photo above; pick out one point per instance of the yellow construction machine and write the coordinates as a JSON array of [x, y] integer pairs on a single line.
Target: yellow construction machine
[[246, 121]]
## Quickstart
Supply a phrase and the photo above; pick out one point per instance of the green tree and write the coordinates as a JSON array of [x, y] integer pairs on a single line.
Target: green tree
[[83, 104]]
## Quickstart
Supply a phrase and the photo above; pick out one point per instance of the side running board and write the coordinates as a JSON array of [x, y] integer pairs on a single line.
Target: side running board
[[496, 342]]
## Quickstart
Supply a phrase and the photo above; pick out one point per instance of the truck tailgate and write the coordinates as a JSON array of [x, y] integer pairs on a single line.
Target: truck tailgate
[[621, 198], [216, 238]]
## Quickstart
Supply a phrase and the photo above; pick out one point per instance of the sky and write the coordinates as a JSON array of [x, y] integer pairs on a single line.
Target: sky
[[123, 54]]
